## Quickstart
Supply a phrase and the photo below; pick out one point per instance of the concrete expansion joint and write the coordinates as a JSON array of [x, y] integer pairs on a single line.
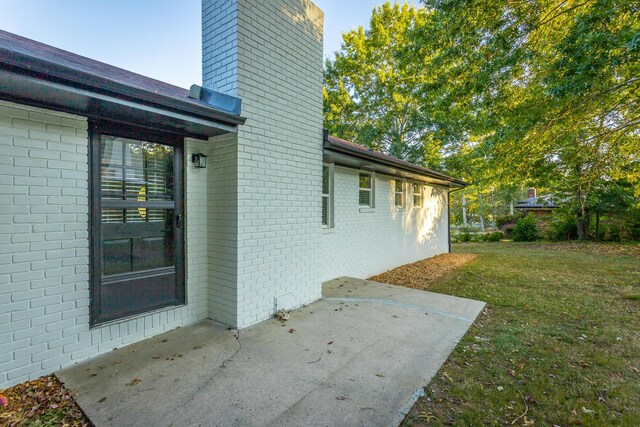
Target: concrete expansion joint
[[423, 308]]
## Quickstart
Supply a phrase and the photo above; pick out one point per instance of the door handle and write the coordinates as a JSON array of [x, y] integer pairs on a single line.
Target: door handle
[[178, 221]]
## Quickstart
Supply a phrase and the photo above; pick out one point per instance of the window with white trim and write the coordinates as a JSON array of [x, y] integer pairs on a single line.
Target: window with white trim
[[365, 193], [327, 196], [417, 195], [399, 193]]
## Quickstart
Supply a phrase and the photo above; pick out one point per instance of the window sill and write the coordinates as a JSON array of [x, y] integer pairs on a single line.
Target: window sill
[[365, 209]]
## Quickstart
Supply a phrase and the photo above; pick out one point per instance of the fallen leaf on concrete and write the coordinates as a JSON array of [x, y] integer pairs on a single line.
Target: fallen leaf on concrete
[[282, 315], [133, 382], [330, 342], [291, 330], [380, 375], [340, 398]]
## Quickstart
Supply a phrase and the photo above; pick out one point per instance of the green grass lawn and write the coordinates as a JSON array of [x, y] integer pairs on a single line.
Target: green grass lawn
[[558, 344]]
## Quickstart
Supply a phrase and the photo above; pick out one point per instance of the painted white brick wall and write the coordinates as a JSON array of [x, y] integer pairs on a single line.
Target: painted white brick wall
[[365, 241], [223, 229], [278, 75], [44, 250], [197, 233]]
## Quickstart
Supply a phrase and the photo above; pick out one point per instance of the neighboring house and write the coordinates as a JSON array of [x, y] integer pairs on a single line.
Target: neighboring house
[[538, 205], [130, 207]]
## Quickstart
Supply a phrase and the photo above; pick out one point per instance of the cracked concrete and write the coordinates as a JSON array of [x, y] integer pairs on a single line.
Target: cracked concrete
[[359, 356]]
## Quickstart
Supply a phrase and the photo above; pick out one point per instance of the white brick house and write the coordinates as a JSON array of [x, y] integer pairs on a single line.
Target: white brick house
[[110, 234]]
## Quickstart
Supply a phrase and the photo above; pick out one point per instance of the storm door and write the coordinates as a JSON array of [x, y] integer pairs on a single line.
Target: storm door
[[137, 221]]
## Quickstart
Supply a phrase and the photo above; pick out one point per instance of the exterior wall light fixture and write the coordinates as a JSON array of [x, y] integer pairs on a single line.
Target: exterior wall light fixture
[[199, 160]]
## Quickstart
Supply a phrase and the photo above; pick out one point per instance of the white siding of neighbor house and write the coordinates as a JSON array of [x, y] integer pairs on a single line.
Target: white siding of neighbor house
[[274, 64], [367, 241], [44, 249]]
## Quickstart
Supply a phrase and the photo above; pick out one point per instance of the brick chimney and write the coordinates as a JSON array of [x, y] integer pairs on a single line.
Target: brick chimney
[[531, 193], [265, 186]]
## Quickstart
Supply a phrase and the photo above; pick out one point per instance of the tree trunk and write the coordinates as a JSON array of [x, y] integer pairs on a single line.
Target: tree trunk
[[597, 225], [480, 210], [493, 211], [583, 225], [511, 208], [464, 211], [582, 218]]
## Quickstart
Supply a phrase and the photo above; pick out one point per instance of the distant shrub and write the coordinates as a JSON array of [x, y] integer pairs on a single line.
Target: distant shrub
[[526, 229], [613, 233], [465, 235], [506, 219], [563, 228], [491, 237], [632, 225]]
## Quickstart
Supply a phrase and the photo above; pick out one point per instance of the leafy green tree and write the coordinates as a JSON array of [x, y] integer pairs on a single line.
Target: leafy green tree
[[372, 99], [544, 92]]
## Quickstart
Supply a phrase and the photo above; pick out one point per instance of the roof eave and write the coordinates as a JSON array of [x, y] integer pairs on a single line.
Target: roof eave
[[395, 163], [35, 68]]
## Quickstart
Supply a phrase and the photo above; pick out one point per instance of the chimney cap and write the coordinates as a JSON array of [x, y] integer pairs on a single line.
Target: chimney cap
[[217, 100]]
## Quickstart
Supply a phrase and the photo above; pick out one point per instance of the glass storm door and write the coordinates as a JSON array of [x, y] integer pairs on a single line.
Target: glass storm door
[[140, 246]]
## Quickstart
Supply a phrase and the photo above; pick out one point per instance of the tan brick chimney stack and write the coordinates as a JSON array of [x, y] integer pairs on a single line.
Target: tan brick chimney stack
[[531, 193]]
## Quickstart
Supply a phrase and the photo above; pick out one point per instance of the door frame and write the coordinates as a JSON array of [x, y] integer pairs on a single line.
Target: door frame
[[96, 129]]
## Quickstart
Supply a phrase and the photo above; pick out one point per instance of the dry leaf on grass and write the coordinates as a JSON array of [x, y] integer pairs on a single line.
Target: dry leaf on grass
[[28, 401]]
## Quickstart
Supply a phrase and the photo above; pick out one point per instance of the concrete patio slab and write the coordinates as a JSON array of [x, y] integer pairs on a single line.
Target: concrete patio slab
[[356, 357]]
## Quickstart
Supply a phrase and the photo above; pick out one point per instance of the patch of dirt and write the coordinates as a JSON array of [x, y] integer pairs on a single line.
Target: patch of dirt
[[422, 273], [41, 402]]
